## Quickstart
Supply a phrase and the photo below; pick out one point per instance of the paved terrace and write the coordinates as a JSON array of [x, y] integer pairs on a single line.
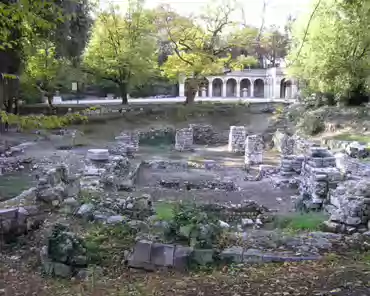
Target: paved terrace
[[104, 101]]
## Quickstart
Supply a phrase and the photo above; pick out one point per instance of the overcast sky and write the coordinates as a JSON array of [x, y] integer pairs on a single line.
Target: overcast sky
[[276, 13]]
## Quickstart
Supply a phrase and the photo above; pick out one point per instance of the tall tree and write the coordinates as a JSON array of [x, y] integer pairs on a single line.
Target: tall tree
[[331, 49], [200, 45], [122, 48]]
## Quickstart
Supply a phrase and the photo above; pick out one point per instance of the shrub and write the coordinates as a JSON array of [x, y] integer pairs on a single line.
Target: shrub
[[189, 224], [312, 123]]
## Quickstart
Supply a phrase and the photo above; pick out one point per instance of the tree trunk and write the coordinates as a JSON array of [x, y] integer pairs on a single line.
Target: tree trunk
[[191, 90], [123, 93], [190, 96], [50, 100]]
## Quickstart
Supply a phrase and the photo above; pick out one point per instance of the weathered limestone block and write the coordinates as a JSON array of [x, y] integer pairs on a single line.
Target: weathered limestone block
[[237, 137], [254, 149], [184, 139], [98, 154]]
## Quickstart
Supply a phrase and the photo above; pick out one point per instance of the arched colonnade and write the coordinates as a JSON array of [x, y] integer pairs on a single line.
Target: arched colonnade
[[243, 87]]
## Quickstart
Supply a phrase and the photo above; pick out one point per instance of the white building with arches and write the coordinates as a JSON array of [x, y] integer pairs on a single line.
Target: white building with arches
[[250, 83]]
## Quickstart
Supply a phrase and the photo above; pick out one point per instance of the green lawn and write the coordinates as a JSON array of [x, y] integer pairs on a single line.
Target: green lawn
[[353, 137]]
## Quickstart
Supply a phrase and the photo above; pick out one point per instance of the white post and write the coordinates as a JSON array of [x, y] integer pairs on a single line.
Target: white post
[[210, 88], [252, 88], [224, 89], [276, 88], [238, 89], [203, 92]]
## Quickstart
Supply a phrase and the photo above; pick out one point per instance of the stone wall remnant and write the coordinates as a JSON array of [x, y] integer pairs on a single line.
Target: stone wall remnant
[[349, 205], [291, 165], [319, 174], [184, 139], [237, 137], [128, 143], [254, 150]]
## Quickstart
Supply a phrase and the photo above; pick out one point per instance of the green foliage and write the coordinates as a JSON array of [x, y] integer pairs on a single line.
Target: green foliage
[[311, 123], [199, 52], [164, 211], [300, 221], [188, 223], [47, 72], [122, 48], [333, 54], [40, 121], [105, 243]]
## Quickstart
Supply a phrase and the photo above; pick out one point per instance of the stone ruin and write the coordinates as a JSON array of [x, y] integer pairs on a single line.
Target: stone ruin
[[127, 143], [254, 150], [319, 175], [237, 137], [184, 139]]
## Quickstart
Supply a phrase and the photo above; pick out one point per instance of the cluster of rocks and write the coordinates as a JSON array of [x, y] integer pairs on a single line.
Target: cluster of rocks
[[65, 254], [18, 221], [103, 171], [353, 149], [56, 185], [12, 158], [127, 144], [349, 206], [184, 139], [113, 210], [352, 167]]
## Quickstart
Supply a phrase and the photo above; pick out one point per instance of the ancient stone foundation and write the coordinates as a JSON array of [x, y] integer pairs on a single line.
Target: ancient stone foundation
[[319, 174], [349, 206], [291, 165], [184, 139], [128, 143], [237, 136], [254, 149]]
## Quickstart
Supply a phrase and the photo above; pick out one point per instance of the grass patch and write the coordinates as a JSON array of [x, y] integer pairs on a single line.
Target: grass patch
[[300, 221], [105, 244], [353, 137], [165, 211]]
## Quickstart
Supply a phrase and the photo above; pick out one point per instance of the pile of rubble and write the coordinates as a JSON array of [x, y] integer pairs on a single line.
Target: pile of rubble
[[349, 206], [18, 221]]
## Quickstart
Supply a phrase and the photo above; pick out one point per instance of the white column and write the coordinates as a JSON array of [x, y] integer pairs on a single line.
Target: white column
[[224, 88], [265, 88], [182, 79], [238, 88], [252, 88], [210, 87], [276, 88], [181, 89], [294, 89]]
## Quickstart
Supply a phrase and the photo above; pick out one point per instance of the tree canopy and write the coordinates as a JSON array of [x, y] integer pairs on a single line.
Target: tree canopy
[[200, 45], [122, 48], [331, 49]]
